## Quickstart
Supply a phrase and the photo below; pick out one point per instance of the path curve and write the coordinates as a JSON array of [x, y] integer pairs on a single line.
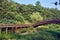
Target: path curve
[[44, 22]]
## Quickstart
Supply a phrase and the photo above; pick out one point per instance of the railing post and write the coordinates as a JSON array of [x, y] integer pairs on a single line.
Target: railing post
[[12, 30], [16, 30], [0, 31], [6, 30]]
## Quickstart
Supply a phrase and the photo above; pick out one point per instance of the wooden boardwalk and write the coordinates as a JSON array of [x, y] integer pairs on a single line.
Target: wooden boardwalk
[[45, 22], [15, 28]]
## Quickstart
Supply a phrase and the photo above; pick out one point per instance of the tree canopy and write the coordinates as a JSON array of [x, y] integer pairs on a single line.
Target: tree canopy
[[19, 13]]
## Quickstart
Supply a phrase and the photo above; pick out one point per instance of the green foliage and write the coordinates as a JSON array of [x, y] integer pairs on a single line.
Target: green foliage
[[38, 34], [36, 17], [20, 18], [4, 21], [10, 10]]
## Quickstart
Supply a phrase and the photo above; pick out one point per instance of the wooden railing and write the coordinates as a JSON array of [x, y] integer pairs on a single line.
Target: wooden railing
[[15, 27], [44, 22]]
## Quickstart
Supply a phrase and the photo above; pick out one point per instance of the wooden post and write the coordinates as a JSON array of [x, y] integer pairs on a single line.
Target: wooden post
[[12, 30], [0, 31], [6, 30], [18, 30], [15, 29]]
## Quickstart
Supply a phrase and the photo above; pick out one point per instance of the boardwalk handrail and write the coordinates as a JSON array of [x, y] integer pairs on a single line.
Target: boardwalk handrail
[[15, 28], [44, 22]]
